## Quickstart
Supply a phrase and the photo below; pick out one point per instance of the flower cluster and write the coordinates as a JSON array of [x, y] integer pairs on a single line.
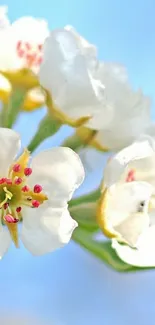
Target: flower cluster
[[59, 69]]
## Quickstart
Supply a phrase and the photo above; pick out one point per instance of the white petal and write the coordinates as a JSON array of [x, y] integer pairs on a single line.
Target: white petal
[[5, 241], [131, 109], [124, 212], [4, 21], [144, 147], [68, 73], [89, 50], [9, 59], [143, 170], [30, 29], [60, 172], [47, 229], [26, 29], [9, 146], [144, 255], [114, 77]]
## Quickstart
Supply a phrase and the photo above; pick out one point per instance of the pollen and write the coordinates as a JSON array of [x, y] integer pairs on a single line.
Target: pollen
[[15, 194]]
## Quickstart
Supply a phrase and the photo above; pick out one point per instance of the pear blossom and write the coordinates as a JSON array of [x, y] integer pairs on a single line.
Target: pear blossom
[[126, 204], [21, 55], [131, 110], [36, 195], [68, 73], [21, 44]]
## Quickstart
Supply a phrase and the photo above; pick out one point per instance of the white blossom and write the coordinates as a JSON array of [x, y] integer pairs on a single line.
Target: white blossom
[[126, 209], [36, 195], [131, 109], [21, 44], [68, 72]]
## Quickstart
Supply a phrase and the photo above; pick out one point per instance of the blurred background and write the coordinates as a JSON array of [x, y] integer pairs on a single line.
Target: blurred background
[[70, 287]]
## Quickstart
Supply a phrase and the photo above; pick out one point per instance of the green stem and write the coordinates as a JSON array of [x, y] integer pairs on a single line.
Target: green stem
[[101, 250], [90, 197], [85, 215], [74, 142], [47, 128], [2, 114], [10, 112]]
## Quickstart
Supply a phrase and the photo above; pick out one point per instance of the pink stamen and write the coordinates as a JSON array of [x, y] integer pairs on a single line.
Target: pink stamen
[[8, 181], [18, 209], [21, 53], [29, 52], [3, 180], [37, 188], [16, 168], [6, 205], [18, 45], [130, 176], [18, 181], [10, 219], [30, 58], [25, 188], [28, 171], [39, 61], [28, 46], [35, 204]]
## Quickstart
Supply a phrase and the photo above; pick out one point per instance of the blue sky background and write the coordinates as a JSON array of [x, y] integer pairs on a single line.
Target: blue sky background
[[70, 287]]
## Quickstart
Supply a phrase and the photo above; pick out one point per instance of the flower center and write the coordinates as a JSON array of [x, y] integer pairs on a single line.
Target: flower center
[[32, 54], [15, 193]]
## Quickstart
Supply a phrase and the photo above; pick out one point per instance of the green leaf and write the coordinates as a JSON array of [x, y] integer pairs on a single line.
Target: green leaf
[[103, 251]]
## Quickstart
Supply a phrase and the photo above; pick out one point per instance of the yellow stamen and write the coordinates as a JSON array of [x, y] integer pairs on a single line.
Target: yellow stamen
[[23, 162], [41, 197], [8, 196]]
